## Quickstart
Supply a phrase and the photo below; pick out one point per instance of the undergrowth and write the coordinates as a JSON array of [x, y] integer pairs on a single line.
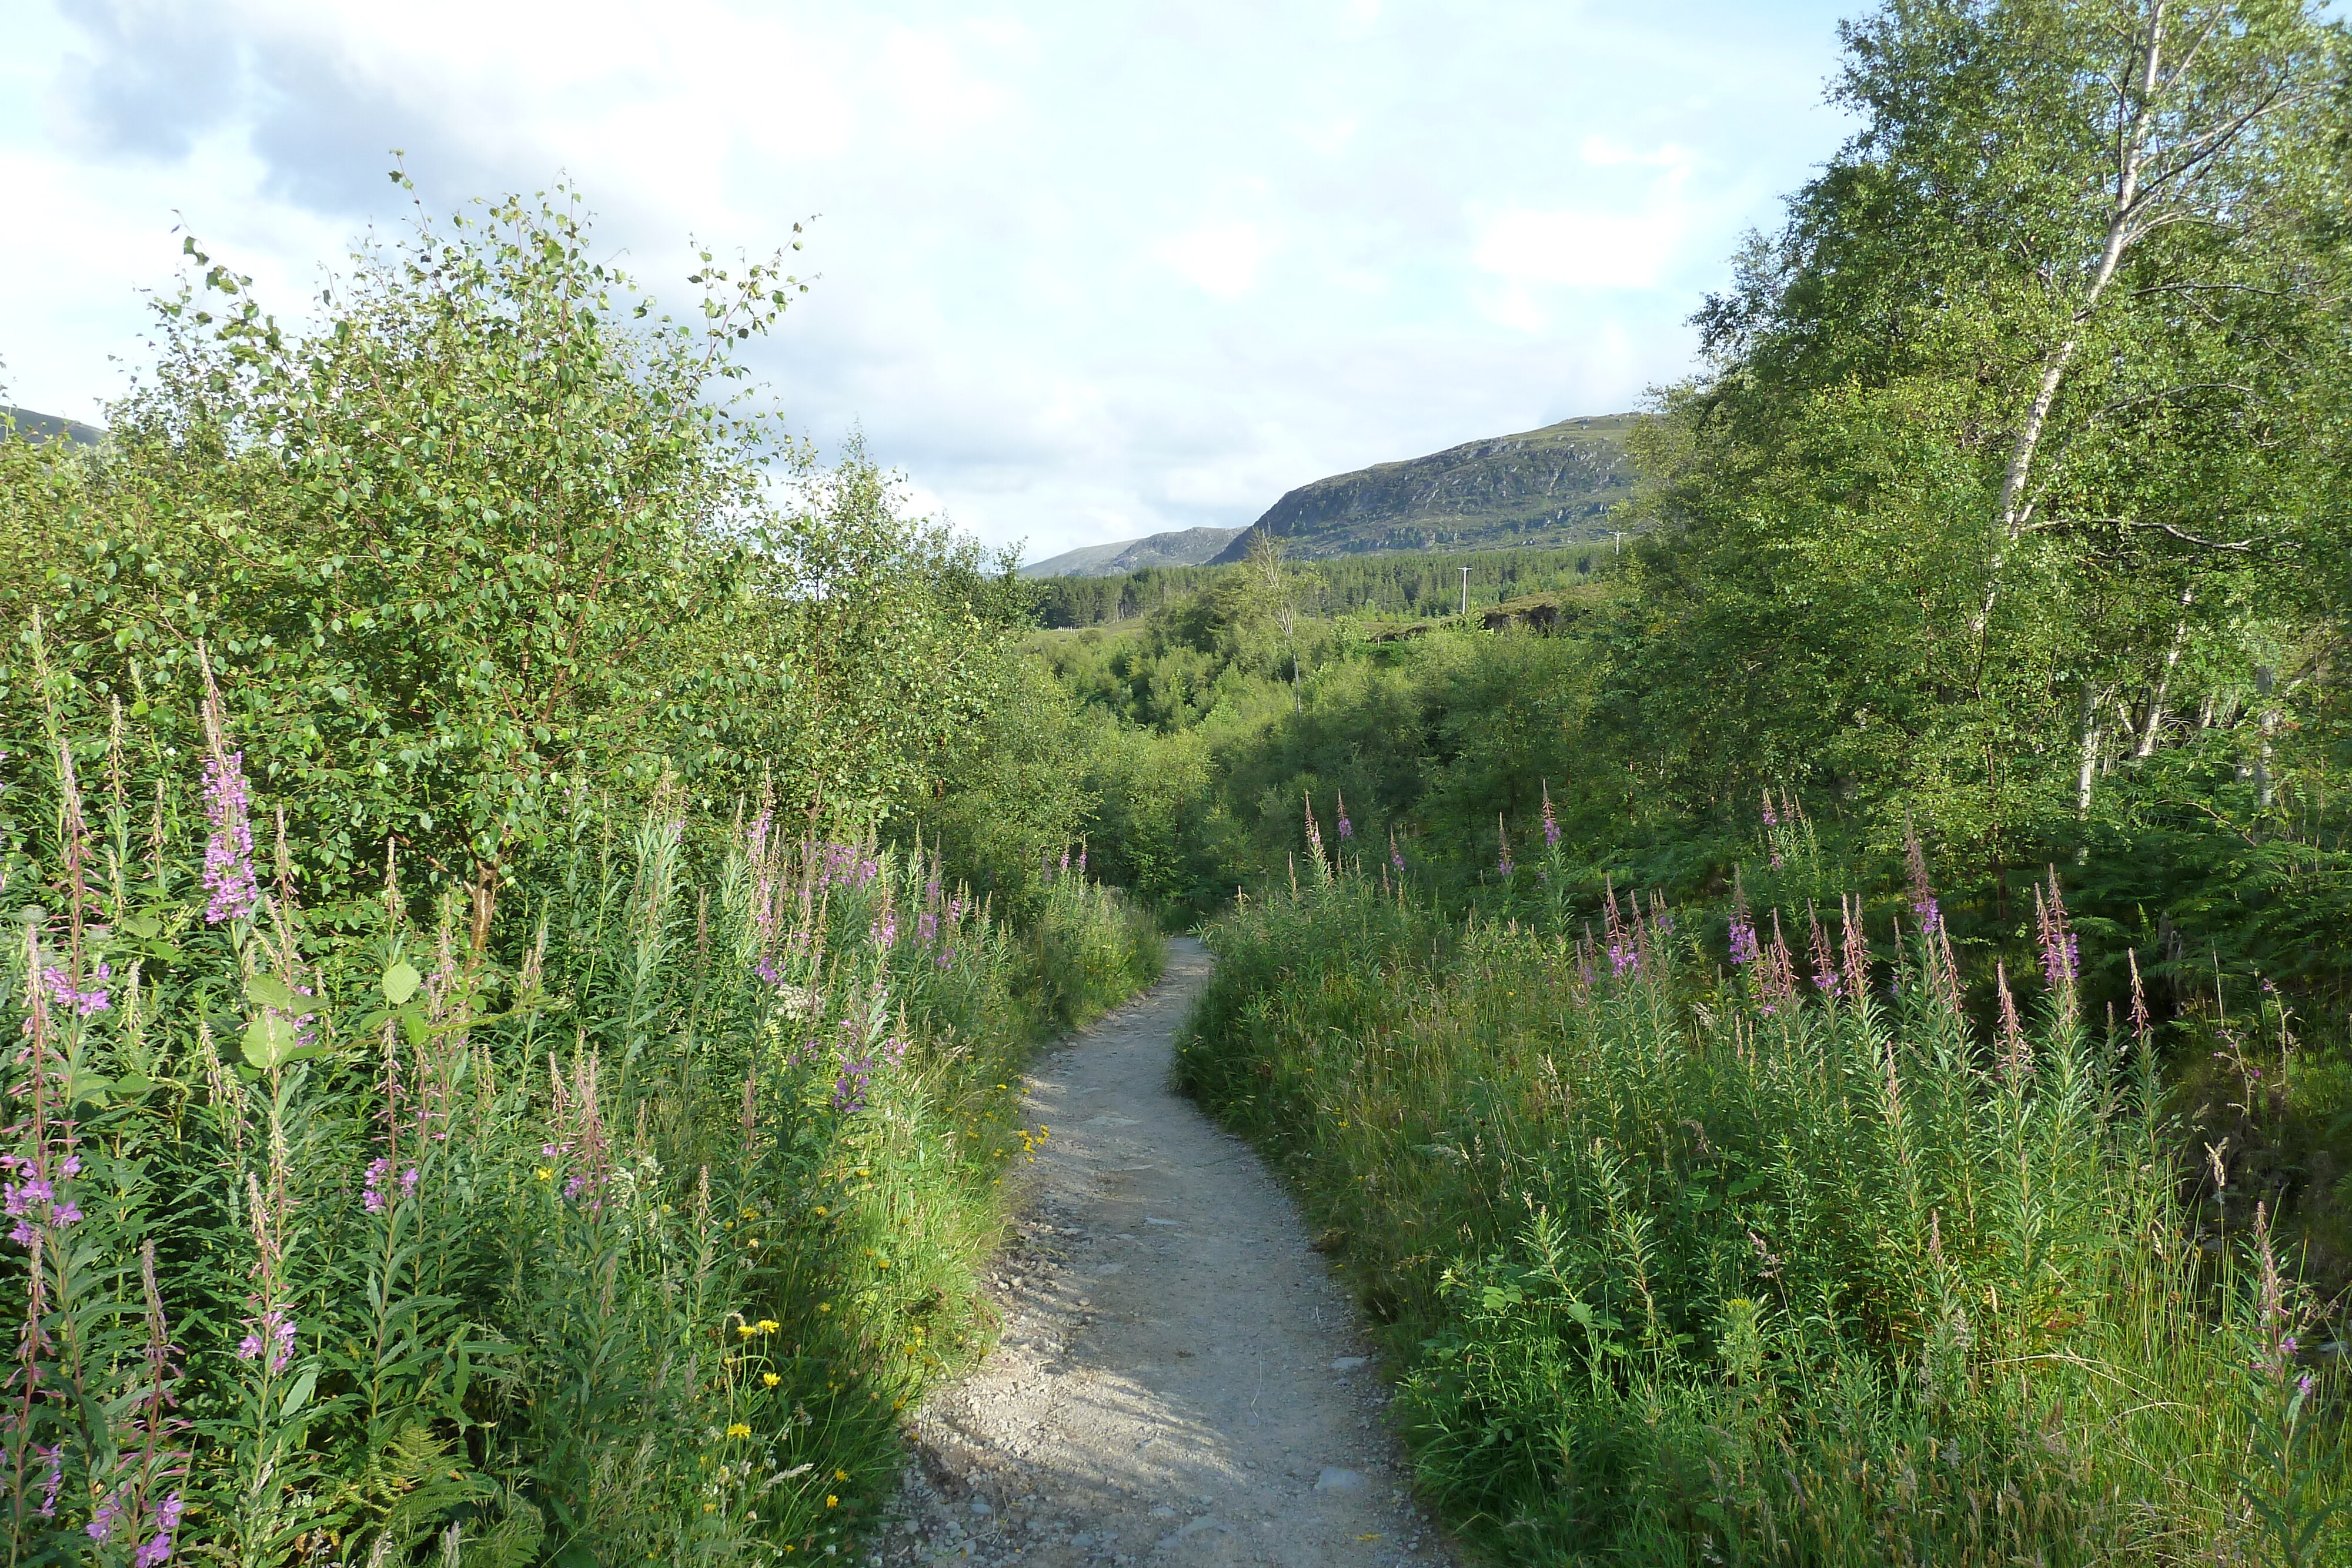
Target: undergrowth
[[1796, 1264], [341, 1238]]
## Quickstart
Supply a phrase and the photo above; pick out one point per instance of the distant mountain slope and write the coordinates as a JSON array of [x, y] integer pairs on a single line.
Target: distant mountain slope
[[1188, 547], [31, 427], [1538, 488]]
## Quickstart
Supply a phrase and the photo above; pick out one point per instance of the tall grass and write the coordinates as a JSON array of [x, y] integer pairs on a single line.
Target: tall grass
[[339, 1238], [1795, 1265]]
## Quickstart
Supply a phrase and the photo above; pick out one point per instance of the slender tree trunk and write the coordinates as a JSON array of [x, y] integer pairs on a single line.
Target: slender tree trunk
[[2122, 229], [2155, 724], [2087, 777], [2265, 676]]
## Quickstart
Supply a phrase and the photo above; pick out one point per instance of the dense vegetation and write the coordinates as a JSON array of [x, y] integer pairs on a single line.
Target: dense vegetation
[[1800, 1265], [1821, 1039], [501, 1078], [1373, 586], [2000, 566]]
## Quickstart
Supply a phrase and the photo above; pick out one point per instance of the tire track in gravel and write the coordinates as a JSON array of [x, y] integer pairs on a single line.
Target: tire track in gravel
[[1178, 1381]]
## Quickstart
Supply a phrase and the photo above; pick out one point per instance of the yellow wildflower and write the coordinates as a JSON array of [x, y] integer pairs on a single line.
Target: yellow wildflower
[[769, 1378], [740, 1429], [841, 1475], [746, 1329], [769, 1325], [544, 1173], [831, 1501]]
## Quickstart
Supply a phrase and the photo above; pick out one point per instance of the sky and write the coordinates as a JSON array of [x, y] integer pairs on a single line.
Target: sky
[[1081, 271]]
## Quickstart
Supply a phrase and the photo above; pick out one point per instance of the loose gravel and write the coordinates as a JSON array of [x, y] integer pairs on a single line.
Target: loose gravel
[[1178, 1381]]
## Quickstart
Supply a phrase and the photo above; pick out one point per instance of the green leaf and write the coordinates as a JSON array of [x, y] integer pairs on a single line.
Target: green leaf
[[400, 982], [268, 991], [300, 1395], [269, 1040], [143, 926], [412, 1025]]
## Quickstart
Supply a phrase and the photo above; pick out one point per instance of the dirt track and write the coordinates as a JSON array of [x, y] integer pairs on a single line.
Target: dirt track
[[1179, 1382]]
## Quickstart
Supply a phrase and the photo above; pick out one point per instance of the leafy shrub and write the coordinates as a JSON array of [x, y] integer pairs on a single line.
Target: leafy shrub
[[339, 1237], [1800, 1265]]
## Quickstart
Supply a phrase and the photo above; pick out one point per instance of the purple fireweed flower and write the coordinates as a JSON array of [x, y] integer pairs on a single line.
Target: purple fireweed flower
[[408, 1182], [1624, 959], [1772, 818], [1503, 854], [1923, 894], [2060, 967], [67, 995], [927, 929], [884, 931], [849, 1089], [1550, 822], [1396, 855], [229, 852], [1347, 828], [50, 1483], [372, 1190], [274, 1333], [1826, 978], [1744, 947], [22, 1200], [110, 1513]]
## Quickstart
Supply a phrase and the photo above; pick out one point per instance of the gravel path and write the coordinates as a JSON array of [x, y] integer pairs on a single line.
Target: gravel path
[[1178, 1381]]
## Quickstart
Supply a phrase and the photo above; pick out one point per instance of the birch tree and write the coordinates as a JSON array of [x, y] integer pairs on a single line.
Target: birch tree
[[2021, 402]]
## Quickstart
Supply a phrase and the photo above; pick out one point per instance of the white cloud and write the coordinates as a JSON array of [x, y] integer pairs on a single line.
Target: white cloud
[[1604, 152], [1330, 137], [1084, 267], [1577, 249], [1222, 259], [937, 93]]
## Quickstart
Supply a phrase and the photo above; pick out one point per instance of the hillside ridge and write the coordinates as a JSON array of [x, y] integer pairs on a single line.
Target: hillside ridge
[[1180, 547], [1556, 484], [32, 426]]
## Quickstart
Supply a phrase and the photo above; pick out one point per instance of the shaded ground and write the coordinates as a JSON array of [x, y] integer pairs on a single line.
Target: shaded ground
[[1179, 1382]]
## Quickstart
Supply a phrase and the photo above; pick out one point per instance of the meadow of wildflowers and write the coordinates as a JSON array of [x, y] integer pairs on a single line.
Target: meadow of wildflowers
[[1776, 1246], [335, 1237]]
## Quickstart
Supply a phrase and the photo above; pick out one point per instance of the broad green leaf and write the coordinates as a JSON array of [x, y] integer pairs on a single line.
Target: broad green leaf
[[269, 1040], [400, 982], [270, 991]]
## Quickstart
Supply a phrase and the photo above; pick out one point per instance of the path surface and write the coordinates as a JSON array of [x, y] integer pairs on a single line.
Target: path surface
[[1179, 1382]]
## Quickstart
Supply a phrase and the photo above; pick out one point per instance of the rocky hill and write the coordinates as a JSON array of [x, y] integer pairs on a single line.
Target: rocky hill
[[31, 427], [1186, 547], [1552, 486]]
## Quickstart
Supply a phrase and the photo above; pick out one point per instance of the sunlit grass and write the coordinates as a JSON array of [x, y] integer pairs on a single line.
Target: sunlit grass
[[1682, 1268]]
